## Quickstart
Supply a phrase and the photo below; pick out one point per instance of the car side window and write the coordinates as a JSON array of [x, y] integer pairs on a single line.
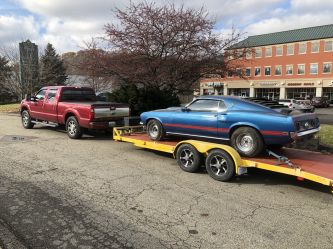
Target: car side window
[[41, 94], [222, 106], [51, 95], [204, 105]]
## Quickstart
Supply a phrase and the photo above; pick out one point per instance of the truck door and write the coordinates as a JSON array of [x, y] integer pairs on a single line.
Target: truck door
[[36, 107], [50, 106]]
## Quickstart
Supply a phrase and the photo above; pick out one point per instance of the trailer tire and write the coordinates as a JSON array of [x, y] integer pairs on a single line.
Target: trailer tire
[[155, 130], [219, 165], [26, 120], [188, 158], [73, 128]]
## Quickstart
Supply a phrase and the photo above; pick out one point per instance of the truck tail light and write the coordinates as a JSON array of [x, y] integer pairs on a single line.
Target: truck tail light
[[92, 114]]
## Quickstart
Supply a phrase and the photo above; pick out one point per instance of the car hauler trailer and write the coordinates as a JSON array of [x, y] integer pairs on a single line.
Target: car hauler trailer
[[223, 162]]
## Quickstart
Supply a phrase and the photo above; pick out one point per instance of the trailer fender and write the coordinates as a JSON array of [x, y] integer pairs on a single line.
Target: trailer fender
[[205, 147]]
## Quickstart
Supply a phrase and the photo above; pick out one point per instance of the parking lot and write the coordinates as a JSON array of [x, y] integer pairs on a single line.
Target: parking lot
[[97, 193]]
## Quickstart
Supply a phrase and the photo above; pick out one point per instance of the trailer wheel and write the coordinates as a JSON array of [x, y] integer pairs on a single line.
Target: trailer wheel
[[188, 158], [219, 165]]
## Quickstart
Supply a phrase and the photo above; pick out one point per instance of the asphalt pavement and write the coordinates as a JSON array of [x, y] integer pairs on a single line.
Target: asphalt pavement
[[325, 115], [97, 193]]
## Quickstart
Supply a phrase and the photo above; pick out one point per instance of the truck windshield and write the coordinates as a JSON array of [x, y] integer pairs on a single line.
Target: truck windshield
[[78, 95]]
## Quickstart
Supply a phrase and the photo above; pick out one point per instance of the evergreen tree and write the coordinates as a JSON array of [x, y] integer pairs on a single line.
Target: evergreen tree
[[53, 71], [5, 69]]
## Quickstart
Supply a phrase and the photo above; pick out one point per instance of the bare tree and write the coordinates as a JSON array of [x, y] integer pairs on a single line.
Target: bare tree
[[166, 47], [92, 63]]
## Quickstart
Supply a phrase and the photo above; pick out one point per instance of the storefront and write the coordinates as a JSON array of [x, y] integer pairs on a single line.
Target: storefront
[[267, 93], [301, 93], [328, 92], [242, 92]]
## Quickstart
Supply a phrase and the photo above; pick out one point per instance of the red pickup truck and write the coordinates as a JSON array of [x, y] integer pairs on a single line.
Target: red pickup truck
[[76, 107]]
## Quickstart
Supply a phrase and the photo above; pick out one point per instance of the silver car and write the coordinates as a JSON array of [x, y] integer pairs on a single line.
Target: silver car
[[302, 105]]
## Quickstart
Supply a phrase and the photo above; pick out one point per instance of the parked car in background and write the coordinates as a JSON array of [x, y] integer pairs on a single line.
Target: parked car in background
[[302, 105], [75, 107], [320, 102], [248, 126]]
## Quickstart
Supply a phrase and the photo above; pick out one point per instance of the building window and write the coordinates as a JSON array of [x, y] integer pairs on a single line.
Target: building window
[[278, 50], [249, 54], [289, 69], [278, 70], [314, 68], [290, 49], [315, 47], [268, 52], [327, 67], [257, 71], [328, 46], [267, 93], [242, 92], [293, 93], [230, 74], [239, 72], [267, 71], [248, 72], [258, 52], [302, 48], [301, 69]]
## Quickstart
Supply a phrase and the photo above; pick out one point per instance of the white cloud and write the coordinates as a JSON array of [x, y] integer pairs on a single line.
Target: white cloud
[[18, 28]]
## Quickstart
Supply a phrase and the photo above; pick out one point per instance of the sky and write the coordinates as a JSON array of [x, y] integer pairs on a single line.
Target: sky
[[68, 24]]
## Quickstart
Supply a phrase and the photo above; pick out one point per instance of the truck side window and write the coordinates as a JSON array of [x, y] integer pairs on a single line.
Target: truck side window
[[51, 95], [41, 94]]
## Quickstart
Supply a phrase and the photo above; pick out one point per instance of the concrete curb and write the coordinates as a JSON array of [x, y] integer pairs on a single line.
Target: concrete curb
[[7, 239]]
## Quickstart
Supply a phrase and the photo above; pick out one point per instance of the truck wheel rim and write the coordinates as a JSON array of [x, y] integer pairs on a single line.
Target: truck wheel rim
[[244, 142], [153, 130], [218, 165], [71, 127], [25, 119], [186, 158]]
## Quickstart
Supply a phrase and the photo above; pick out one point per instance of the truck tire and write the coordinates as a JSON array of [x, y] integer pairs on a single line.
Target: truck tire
[[247, 141], [26, 120], [188, 158], [155, 130], [219, 165], [73, 128]]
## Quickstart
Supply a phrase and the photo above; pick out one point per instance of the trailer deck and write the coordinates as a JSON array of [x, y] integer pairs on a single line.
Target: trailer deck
[[312, 166]]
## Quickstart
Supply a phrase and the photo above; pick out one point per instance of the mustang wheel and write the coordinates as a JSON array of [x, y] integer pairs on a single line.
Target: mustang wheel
[[73, 128], [219, 165], [155, 130], [188, 158], [26, 120], [247, 141]]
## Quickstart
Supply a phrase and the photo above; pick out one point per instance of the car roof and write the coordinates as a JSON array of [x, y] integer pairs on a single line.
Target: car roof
[[66, 87]]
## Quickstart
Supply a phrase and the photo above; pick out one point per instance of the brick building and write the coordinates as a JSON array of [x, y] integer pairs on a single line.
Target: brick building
[[289, 64]]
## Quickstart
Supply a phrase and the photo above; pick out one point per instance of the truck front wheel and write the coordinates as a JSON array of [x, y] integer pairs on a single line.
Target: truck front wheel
[[73, 128], [26, 120]]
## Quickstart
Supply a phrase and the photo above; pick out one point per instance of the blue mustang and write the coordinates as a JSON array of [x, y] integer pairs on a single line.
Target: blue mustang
[[247, 125]]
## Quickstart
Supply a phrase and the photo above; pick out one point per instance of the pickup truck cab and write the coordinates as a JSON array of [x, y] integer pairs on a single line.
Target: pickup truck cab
[[75, 107]]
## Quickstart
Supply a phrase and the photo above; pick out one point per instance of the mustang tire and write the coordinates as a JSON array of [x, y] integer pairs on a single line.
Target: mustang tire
[[155, 130], [73, 128], [219, 165], [188, 158], [247, 141], [26, 120]]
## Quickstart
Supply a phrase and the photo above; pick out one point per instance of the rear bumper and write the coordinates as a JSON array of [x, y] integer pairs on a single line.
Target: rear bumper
[[297, 135], [104, 125]]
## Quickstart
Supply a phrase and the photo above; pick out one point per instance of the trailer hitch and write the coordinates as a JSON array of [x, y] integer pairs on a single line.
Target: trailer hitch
[[281, 159]]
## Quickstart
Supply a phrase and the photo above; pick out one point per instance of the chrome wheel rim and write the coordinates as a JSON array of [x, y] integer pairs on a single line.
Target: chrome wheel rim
[[244, 143], [25, 119], [186, 158], [218, 165], [153, 130], [71, 128]]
